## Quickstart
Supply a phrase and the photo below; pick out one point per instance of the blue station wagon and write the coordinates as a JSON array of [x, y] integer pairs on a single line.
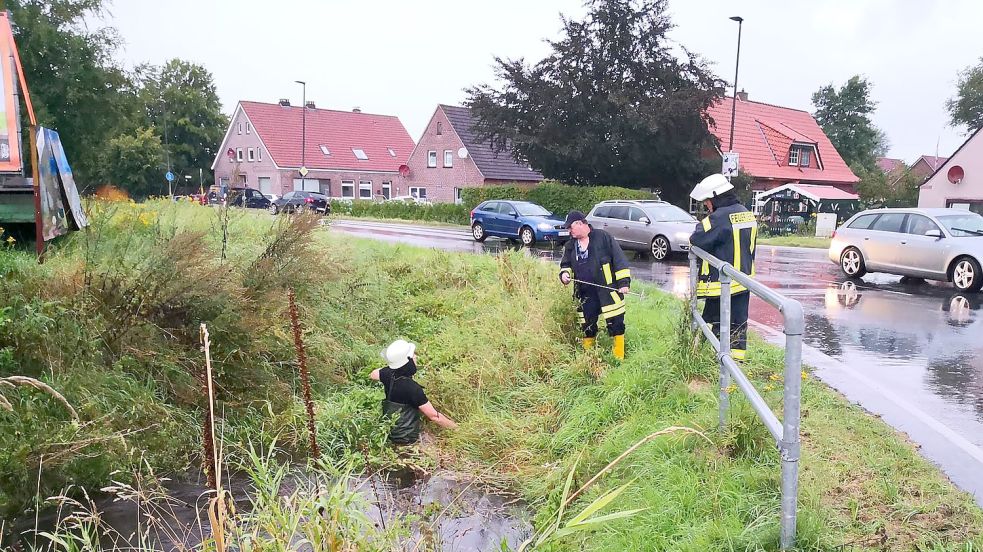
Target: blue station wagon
[[516, 220]]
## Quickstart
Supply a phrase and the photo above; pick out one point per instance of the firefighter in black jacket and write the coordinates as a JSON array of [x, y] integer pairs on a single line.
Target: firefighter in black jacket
[[728, 233], [594, 256]]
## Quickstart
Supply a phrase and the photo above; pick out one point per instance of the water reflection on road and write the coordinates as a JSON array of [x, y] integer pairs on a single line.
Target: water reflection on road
[[909, 351]]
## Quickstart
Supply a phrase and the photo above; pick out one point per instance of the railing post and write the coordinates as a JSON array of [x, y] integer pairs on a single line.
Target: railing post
[[724, 347], [794, 326], [693, 278]]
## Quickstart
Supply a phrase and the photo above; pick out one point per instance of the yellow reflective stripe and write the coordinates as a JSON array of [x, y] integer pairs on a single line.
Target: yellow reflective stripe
[[607, 273], [612, 314], [738, 354], [754, 237], [705, 268], [737, 249], [712, 289], [618, 302], [623, 273], [706, 224], [567, 270]]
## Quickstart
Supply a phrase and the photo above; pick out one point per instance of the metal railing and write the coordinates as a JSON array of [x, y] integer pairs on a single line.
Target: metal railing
[[785, 431]]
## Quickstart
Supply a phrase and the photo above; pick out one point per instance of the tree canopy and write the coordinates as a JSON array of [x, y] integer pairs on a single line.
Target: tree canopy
[[616, 102], [966, 109], [844, 116]]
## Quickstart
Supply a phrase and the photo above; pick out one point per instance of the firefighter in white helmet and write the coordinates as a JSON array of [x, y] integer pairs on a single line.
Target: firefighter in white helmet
[[728, 232]]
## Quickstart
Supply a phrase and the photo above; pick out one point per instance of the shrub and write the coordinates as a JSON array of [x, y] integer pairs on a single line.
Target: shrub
[[438, 212], [555, 196]]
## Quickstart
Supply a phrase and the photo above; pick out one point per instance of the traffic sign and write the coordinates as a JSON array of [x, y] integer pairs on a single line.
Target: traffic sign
[[731, 164], [303, 171], [169, 176]]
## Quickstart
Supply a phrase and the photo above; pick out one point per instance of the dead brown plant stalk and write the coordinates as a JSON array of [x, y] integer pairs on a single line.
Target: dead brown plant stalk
[[24, 381], [305, 378], [208, 438]]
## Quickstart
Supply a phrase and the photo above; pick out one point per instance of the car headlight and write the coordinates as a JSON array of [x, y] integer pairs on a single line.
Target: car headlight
[[544, 226]]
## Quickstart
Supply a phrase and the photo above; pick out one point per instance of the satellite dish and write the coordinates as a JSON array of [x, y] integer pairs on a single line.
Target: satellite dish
[[404, 171], [955, 174], [462, 153]]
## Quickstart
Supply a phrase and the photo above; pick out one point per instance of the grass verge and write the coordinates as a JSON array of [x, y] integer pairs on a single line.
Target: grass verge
[[499, 352], [797, 241]]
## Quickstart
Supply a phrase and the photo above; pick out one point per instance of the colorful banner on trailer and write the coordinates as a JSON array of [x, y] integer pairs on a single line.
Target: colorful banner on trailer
[[61, 207], [10, 157]]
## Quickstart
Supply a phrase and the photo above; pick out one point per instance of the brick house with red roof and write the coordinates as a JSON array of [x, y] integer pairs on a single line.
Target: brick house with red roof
[[349, 154], [779, 146], [449, 158]]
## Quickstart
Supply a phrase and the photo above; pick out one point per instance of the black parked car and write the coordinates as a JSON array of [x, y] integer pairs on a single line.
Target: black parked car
[[291, 202], [249, 198]]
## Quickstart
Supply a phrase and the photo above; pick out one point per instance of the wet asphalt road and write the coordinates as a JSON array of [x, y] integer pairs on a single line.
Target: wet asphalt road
[[909, 352]]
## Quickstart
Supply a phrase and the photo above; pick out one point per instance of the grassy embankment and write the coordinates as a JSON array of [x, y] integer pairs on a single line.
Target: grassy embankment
[[112, 319]]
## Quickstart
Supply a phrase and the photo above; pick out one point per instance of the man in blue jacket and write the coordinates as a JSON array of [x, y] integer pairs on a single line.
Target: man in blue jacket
[[594, 256]]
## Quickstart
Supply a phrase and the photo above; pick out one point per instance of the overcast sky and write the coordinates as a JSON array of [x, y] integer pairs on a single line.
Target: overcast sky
[[403, 57]]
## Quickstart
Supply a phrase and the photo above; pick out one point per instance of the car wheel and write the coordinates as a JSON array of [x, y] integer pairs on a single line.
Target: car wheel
[[527, 236], [660, 248], [274, 209], [478, 232], [966, 274], [852, 263]]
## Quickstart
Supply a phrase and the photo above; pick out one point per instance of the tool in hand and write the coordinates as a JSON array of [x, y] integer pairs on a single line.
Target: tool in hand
[[639, 295]]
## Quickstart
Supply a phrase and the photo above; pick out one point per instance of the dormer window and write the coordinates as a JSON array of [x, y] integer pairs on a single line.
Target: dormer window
[[360, 154], [802, 155]]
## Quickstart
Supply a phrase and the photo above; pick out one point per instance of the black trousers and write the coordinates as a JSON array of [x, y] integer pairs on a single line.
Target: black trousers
[[738, 321], [590, 311]]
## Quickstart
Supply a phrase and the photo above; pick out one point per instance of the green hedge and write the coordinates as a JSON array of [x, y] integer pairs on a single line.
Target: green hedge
[[438, 212], [558, 198]]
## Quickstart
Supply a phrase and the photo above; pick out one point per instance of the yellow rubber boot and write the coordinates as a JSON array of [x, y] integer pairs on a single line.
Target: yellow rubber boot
[[619, 347], [588, 343]]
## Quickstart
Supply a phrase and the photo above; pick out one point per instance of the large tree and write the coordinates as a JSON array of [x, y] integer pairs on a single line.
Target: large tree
[[613, 103], [898, 188], [75, 86], [844, 116], [966, 109], [179, 97], [134, 161]]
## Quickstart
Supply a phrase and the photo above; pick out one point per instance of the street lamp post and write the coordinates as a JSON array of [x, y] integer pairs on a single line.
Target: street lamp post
[[737, 66], [303, 132]]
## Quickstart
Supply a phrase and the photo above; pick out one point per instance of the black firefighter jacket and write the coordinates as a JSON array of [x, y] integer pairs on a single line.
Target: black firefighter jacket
[[729, 234], [609, 267]]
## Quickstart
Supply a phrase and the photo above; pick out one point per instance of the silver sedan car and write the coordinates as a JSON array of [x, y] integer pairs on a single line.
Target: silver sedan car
[[936, 244], [651, 226]]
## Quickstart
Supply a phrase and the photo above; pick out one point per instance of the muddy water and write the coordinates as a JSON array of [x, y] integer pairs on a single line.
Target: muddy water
[[456, 514]]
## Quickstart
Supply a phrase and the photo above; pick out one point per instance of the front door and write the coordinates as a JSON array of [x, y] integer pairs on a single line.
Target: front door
[[387, 190]]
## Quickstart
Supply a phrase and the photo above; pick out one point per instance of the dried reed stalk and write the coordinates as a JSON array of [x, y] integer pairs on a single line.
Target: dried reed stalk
[[211, 458], [305, 378], [24, 381]]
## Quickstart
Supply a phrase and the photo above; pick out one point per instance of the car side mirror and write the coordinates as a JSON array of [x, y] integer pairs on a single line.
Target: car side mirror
[[515, 215], [645, 220], [937, 234]]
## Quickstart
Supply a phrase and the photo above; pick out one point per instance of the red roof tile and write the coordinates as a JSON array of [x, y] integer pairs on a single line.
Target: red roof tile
[[933, 162], [888, 164], [280, 128], [763, 134]]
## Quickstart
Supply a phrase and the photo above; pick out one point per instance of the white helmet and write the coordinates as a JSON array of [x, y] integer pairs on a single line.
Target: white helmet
[[398, 353], [710, 187]]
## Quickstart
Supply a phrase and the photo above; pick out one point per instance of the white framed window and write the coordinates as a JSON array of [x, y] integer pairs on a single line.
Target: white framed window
[[387, 190], [259, 154], [804, 156], [440, 128], [325, 150], [448, 158], [392, 152], [793, 157], [265, 185], [432, 159], [457, 196], [348, 188], [364, 189], [420, 193], [240, 128], [239, 154], [249, 128], [360, 154], [250, 154], [757, 203]]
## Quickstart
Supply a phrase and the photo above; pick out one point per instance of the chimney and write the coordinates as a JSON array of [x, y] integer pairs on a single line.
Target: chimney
[[357, 109], [285, 102], [310, 104], [742, 95]]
